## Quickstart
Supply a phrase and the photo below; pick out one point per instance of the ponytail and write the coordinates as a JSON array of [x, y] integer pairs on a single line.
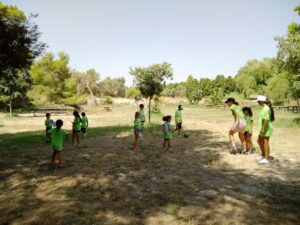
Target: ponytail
[[236, 103], [268, 102]]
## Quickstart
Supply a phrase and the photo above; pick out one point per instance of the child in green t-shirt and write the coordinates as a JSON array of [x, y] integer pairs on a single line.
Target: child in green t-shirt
[[137, 130], [57, 137], [178, 119], [76, 128], [48, 124], [248, 130], [168, 132], [84, 124]]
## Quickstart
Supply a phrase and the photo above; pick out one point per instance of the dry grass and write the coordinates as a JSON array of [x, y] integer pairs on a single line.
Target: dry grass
[[103, 182]]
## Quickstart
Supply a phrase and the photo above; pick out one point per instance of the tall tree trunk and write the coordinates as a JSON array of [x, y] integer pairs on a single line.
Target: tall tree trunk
[[10, 107], [91, 93], [149, 109]]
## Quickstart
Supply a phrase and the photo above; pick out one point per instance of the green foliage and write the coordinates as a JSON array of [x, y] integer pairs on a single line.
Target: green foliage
[[156, 105], [114, 87], [107, 100], [150, 80], [174, 90], [216, 97], [190, 85], [133, 93], [278, 88], [197, 95]]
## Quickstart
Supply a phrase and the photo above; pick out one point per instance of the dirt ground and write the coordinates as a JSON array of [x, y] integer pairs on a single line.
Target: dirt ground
[[104, 182]]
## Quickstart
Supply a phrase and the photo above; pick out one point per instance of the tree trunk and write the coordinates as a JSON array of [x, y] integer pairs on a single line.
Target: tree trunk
[[91, 93], [149, 109], [10, 107]]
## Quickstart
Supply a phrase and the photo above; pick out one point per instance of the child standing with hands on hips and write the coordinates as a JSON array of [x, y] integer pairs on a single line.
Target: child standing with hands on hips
[[137, 130], [76, 128], [57, 137]]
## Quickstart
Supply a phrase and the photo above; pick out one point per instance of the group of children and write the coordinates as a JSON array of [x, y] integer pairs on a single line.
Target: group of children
[[167, 128], [56, 135], [243, 125]]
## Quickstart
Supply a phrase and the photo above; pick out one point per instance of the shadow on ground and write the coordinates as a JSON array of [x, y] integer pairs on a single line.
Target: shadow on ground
[[104, 182]]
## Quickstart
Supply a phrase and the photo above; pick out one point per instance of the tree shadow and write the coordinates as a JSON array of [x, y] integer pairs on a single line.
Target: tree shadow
[[104, 182]]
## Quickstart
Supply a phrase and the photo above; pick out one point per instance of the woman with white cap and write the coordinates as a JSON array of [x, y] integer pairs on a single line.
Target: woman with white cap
[[266, 118]]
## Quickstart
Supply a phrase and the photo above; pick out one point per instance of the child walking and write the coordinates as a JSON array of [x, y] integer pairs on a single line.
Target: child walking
[[76, 128], [248, 130], [84, 124], [238, 125], [48, 124], [168, 133], [266, 117], [137, 131], [178, 119], [57, 137], [142, 115]]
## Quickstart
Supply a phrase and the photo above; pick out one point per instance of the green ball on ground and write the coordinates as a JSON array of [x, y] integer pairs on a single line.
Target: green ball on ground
[[185, 134]]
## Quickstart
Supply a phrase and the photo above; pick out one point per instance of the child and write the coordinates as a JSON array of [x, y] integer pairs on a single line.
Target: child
[[238, 125], [168, 133], [266, 118], [178, 119], [57, 136], [76, 127], [248, 129], [49, 124], [137, 130], [84, 124], [142, 115], [164, 128]]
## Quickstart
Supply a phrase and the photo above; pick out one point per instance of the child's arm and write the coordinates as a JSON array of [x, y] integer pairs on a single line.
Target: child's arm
[[251, 126], [264, 125], [234, 115]]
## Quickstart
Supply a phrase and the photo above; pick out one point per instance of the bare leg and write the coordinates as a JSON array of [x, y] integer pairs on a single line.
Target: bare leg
[[168, 144], [266, 147], [73, 137], [260, 142], [136, 142], [53, 157], [77, 137], [242, 139], [231, 138]]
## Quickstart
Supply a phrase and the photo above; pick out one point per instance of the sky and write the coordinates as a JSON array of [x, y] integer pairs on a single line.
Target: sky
[[199, 37]]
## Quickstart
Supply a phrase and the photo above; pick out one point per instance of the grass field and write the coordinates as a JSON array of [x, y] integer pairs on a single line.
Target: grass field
[[104, 182]]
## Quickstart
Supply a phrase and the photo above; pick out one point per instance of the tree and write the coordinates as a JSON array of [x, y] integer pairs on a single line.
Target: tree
[[197, 95], [289, 56], [114, 87], [133, 93], [149, 80], [49, 77], [19, 45], [190, 85]]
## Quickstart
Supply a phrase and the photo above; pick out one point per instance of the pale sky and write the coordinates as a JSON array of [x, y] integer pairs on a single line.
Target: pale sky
[[199, 37]]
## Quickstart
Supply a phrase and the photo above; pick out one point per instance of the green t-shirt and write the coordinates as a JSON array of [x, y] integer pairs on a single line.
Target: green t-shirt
[[84, 122], [142, 115], [76, 124], [238, 110], [169, 133], [248, 123], [265, 114], [138, 124], [178, 116], [49, 123], [57, 138]]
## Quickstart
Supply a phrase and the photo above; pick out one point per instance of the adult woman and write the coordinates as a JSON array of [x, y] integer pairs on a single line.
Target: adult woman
[[266, 117], [238, 125]]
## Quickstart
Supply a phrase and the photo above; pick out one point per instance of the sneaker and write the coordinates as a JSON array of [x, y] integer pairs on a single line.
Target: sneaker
[[259, 158], [233, 150], [263, 161]]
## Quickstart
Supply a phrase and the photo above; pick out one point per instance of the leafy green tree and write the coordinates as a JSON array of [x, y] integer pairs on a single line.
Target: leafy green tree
[[197, 95], [49, 77], [19, 45], [191, 84], [278, 88], [150, 80], [174, 90], [133, 93], [114, 87], [289, 56], [206, 86]]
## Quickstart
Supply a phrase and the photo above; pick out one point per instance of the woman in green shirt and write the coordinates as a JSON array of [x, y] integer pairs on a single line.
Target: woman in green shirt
[[266, 117], [238, 125]]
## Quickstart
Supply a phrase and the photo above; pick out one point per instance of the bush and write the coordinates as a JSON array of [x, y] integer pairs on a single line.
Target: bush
[[156, 106], [107, 100], [133, 93]]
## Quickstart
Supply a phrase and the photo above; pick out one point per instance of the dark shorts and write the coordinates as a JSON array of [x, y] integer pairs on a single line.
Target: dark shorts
[[247, 134], [83, 130], [76, 131], [179, 126], [143, 121], [47, 129]]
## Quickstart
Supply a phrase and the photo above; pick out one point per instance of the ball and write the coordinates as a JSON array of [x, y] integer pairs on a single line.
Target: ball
[[185, 134]]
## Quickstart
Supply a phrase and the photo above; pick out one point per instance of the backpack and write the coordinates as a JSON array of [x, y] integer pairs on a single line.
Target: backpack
[[164, 128]]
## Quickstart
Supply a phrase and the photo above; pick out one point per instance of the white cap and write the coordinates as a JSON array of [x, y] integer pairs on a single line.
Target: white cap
[[261, 98]]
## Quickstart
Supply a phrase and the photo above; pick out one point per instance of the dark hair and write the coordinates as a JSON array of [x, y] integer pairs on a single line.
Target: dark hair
[[137, 113], [48, 114], [232, 100], [76, 114], [236, 103], [59, 124], [248, 109], [83, 114], [168, 118], [269, 103], [141, 105]]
